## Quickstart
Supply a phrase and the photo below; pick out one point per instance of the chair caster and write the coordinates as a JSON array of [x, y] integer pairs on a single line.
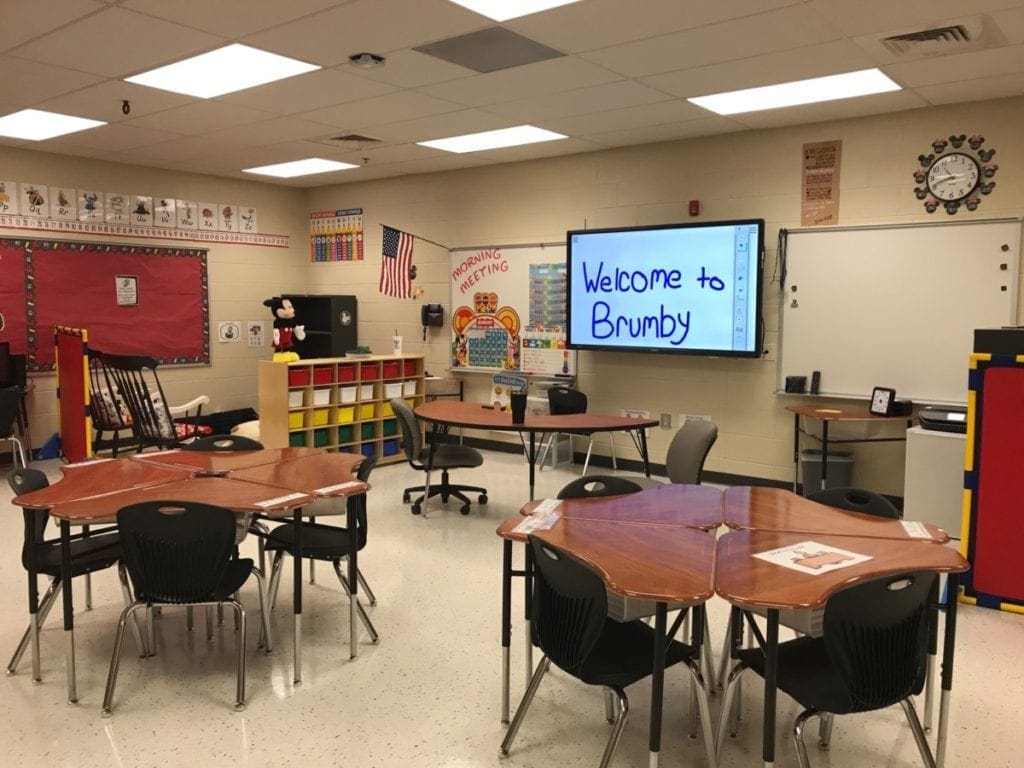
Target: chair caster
[[482, 499], [415, 509], [464, 509], [406, 498]]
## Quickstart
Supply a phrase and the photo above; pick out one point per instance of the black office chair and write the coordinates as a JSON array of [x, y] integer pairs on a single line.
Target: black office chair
[[565, 401], [442, 456], [89, 553], [327, 542], [223, 443], [597, 486], [857, 500], [870, 656], [155, 423], [182, 553], [572, 628], [689, 449], [10, 407]]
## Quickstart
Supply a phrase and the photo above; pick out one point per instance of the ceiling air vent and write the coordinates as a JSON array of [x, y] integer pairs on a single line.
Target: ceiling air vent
[[355, 138], [937, 41], [949, 37]]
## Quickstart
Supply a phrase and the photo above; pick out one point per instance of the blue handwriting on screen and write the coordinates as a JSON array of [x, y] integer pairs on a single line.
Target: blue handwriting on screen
[[671, 323]]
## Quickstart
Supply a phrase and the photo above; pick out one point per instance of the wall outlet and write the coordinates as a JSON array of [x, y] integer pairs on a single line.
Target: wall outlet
[[666, 421], [769, 352], [685, 417]]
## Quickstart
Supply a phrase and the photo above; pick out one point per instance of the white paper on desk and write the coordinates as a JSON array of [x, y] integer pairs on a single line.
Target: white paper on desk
[[328, 489], [542, 522], [915, 530], [85, 463], [812, 558], [547, 505], [279, 500]]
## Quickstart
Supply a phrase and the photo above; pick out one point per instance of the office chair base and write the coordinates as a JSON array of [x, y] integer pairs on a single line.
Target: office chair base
[[446, 491]]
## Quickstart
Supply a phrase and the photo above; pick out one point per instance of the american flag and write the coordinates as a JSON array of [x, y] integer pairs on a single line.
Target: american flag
[[394, 266]]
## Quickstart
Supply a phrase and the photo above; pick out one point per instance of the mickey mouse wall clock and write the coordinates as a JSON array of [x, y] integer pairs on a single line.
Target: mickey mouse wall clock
[[957, 177]]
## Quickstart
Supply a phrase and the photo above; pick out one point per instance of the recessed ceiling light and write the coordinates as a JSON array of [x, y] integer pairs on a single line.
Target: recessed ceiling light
[[305, 167], [226, 70], [504, 137], [816, 89], [501, 10], [36, 125]]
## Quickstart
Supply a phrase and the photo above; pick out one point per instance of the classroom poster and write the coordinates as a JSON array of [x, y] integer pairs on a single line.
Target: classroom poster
[[819, 185], [336, 235]]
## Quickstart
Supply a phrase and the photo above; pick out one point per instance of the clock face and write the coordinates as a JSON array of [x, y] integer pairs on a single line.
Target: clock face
[[881, 400], [953, 176]]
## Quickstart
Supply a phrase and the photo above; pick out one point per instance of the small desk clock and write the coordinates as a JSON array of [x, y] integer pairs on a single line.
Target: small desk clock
[[883, 401]]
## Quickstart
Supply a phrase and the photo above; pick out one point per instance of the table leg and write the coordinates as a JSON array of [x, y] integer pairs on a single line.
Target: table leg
[[770, 684], [506, 625], [948, 647], [33, 597], [933, 650], [532, 458], [528, 607], [69, 609], [796, 450], [657, 681], [351, 520], [824, 453], [643, 452], [297, 595]]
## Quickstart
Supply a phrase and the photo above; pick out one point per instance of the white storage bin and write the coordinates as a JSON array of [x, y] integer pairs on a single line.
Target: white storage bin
[[295, 398], [392, 390], [321, 397], [408, 387], [366, 391], [348, 394]]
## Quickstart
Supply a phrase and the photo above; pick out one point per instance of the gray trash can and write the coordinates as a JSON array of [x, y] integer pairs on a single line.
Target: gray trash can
[[840, 470]]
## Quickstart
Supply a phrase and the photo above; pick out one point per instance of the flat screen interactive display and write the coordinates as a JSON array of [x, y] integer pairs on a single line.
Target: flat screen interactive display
[[688, 288]]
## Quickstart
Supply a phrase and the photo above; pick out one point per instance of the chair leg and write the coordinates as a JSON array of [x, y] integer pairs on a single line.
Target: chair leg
[[359, 606], [265, 638], [825, 729], [590, 448], [240, 686], [275, 578], [545, 448], [35, 623], [88, 591], [115, 659], [798, 736], [609, 706], [370, 597], [531, 690], [723, 662], [209, 623], [611, 441], [126, 593], [918, 731], [724, 722], [618, 727], [707, 730]]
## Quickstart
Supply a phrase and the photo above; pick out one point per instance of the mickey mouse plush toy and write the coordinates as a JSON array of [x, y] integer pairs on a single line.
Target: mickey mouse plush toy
[[284, 329]]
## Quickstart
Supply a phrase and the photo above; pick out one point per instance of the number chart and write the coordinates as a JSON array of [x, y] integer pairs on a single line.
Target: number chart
[[336, 235]]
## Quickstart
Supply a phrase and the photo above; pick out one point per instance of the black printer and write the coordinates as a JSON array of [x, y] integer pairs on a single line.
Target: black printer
[[944, 418]]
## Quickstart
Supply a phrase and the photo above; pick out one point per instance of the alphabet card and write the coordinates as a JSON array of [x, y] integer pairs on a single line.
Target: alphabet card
[[142, 210], [63, 204], [9, 197], [812, 558], [186, 214], [207, 213], [247, 219], [35, 200], [227, 218], [90, 205], [163, 212], [118, 208]]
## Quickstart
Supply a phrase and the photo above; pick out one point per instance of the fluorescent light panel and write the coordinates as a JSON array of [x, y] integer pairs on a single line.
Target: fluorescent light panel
[[502, 10], [226, 70], [816, 89], [36, 125], [305, 167], [504, 137]]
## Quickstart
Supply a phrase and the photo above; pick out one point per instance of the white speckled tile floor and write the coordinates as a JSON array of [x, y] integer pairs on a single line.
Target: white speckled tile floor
[[429, 694]]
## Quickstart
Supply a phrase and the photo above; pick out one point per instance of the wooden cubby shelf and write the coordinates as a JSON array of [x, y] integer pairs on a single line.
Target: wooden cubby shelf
[[338, 403]]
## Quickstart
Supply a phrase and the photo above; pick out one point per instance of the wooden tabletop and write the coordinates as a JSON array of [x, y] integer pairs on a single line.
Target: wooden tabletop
[[457, 413], [650, 562], [220, 491], [840, 414], [219, 462], [777, 509], [324, 474], [691, 506], [745, 580], [99, 478]]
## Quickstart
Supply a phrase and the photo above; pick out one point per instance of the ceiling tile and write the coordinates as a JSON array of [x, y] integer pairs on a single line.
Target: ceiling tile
[[273, 131], [202, 117], [30, 82], [780, 67], [886, 17], [832, 110], [181, 148], [752, 35], [973, 90], [439, 126], [650, 134], [376, 26], [313, 90], [25, 19], [522, 82], [104, 101], [391, 108], [966, 66], [672, 111], [117, 43], [230, 18], [411, 69], [624, 93], [113, 137]]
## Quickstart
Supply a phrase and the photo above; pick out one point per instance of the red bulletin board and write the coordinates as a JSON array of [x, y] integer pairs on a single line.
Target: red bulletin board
[[46, 283]]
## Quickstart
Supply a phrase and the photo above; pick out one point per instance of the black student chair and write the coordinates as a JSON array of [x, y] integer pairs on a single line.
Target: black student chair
[[871, 655], [565, 401], [597, 486], [331, 543], [39, 555], [571, 626], [442, 456], [223, 443], [182, 553], [857, 500], [10, 408]]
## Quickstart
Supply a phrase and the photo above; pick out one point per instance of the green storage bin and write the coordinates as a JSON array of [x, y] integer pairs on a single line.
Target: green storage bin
[[368, 431], [321, 437], [297, 439], [390, 427], [344, 434]]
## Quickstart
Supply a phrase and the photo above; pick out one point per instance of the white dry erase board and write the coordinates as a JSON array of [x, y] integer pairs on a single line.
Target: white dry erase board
[[895, 306], [508, 309]]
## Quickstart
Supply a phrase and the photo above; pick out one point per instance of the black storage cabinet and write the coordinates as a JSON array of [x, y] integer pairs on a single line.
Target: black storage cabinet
[[331, 324]]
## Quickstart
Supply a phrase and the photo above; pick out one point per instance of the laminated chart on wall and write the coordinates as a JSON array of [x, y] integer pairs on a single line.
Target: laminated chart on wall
[[508, 310], [336, 235]]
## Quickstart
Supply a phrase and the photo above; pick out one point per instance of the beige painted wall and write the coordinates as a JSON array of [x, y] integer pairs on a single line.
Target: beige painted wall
[[749, 174]]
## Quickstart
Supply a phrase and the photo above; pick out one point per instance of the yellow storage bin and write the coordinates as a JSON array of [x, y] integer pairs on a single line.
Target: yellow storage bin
[[386, 409], [366, 411], [295, 420], [346, 415], [319, 417]]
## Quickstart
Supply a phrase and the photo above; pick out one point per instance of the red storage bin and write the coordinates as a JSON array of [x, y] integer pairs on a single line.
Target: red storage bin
[[346, 373], [368, 371], [298, 377], [391, 369], [410, 368], [322, 374]]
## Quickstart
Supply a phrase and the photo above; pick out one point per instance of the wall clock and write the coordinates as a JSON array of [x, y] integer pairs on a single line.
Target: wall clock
[[957, 177]]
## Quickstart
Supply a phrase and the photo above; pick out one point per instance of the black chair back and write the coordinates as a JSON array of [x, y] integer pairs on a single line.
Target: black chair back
[[594, 486], [564, 401], [10, 407], [359, 502], [223, 443], [176, 551], [857, 500], [26, 480], [104, 410], [570, 606], [876, 634], [412, 437], [690, 446]]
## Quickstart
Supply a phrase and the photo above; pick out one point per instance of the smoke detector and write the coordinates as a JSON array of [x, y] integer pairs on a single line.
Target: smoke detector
[[366, 60]]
